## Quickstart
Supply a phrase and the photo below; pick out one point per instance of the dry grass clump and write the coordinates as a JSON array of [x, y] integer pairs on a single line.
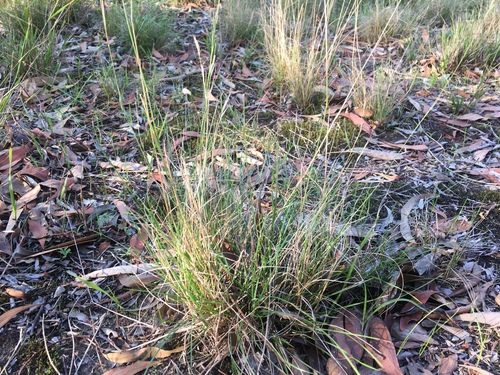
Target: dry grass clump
[[380, 24], [241, 20], [472, 41], [299, 47]]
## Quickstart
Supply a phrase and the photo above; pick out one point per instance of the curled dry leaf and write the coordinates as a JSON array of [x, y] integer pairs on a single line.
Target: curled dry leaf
[[124, 210], [143, 353], [382, 349], [9, 159]]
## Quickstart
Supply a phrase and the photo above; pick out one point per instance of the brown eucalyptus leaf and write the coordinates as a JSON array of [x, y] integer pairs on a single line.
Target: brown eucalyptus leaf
[[125, 356], [7, 316], [448, 365], [358, 121], [9, 159], [382, 349], [490, 318], [476, 370], [333, 368]]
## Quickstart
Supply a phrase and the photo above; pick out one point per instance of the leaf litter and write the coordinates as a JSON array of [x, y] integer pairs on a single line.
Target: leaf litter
[[45, 235]]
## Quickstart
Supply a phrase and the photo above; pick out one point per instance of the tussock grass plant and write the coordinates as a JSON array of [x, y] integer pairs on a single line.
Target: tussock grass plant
[[41, 15], [381, 24], [445, 12], [31, 30], [240, 21], [250, 268], [470, 42], [381, 92], [261, 277], [142, 24], [299, 48]]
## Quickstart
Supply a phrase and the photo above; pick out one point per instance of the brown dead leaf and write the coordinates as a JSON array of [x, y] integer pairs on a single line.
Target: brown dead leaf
[[16, 293], [461, 124], [132, 369], [382, 349], [452, 226], [133, 281], [470, 117], [158, 55], [124, 210], [491, 174], [77, 171], [210, 97], [476, 370], [333, 368], [473, 147], [186, 135], [103, 246], [10, 157], [363, 112], [38, 172], [410, 311], [376, 154], [497, 299], [346, 330], [7, 316], [38, 230], [358, 121], [479, 155], [29, 196], [490, 318], [125, 356], [425, 35], [403, 146], [448, 365]]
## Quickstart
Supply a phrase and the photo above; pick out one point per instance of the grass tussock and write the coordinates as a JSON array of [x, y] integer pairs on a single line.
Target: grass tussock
[[299, 52], [141, 24], [241, 21], [380, 93], [252, 266], [30, 31], [471, 42], [383, 23]]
